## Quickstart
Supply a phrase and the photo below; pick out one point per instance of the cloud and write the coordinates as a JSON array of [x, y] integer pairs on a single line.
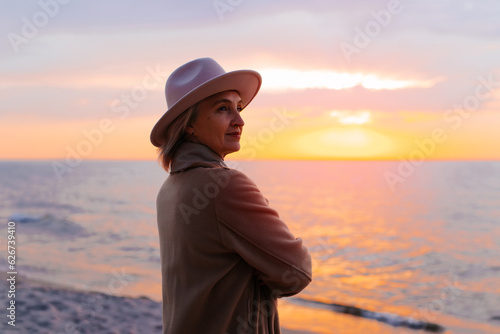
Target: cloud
[[285, 79], [93, 52]]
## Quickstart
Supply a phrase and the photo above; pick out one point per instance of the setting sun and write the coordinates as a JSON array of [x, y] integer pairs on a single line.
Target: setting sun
[[344, 143]]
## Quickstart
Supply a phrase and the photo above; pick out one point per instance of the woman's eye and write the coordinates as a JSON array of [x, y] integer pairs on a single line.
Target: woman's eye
[[227, 109]]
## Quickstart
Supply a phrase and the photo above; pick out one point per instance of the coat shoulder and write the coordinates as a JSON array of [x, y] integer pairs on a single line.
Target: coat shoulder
[[226, 179], [238, 185]]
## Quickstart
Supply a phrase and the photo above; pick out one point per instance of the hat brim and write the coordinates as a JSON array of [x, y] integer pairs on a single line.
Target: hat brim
[[246, 82]]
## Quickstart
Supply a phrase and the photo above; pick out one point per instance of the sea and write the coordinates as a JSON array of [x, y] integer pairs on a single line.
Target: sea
[[419, 241]]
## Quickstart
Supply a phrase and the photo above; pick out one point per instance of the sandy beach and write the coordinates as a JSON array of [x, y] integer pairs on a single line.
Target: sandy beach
[[47, 308], [43, 307]]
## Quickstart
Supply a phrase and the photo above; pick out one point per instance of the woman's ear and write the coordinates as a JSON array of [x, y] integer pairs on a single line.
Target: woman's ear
[[189, 130]]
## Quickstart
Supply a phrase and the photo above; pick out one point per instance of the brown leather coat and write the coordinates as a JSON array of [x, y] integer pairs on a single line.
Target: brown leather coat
[[226, 255]]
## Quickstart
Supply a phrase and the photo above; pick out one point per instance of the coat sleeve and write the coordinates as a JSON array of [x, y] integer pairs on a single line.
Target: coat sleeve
[[255, 231]]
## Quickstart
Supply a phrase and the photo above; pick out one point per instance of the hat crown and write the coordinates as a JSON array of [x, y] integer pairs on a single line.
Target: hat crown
[[190, 76]]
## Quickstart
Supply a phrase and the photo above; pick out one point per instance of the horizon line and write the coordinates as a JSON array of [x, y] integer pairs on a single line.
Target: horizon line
[[258, 159]]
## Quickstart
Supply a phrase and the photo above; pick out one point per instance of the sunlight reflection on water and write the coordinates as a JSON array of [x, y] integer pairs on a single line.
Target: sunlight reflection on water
[[429, 249]]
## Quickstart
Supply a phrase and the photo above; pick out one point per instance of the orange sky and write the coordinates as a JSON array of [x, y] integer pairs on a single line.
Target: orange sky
[[69, 92]]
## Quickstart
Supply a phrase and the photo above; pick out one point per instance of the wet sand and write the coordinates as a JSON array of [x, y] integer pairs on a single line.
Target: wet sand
[[46, 308]]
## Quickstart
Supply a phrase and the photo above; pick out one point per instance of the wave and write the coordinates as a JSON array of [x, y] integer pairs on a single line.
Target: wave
[[387, 318], [49, 224]]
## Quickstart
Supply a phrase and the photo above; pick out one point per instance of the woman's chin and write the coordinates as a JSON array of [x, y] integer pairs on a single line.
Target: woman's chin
[[233, 148]]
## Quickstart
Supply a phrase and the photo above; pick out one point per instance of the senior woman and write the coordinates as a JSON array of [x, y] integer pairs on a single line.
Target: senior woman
[[226, 256]]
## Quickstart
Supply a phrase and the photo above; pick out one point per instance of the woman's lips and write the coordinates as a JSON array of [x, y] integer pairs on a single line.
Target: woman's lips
[[236, 135]]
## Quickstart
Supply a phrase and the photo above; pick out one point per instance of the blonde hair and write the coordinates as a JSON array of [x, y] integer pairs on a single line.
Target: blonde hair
[[175, 134]]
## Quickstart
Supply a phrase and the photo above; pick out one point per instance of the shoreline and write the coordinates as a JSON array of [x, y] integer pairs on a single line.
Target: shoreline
[[52, 308], [47, 307]]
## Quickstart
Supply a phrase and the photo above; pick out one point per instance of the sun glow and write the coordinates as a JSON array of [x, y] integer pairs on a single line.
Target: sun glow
[[286, 79], [344, 143]]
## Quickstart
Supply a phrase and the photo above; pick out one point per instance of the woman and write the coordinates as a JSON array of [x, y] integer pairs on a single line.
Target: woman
[[226, 255]]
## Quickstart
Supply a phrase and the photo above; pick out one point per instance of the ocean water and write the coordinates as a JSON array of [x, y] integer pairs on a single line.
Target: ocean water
[[426, 246]]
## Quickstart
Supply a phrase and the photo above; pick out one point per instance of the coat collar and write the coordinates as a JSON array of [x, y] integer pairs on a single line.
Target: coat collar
[[191, 155]]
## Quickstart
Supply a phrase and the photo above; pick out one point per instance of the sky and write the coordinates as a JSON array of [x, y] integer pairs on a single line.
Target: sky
[[408, 80]]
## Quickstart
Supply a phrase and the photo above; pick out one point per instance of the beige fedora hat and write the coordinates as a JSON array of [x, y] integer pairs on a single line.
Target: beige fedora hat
[[197, 80]]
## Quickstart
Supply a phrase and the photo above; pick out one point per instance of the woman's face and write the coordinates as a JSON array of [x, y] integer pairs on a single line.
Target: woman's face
[[219, 124]]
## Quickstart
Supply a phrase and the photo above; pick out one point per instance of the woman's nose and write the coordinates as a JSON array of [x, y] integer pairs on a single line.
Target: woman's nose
[[237, 119]]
